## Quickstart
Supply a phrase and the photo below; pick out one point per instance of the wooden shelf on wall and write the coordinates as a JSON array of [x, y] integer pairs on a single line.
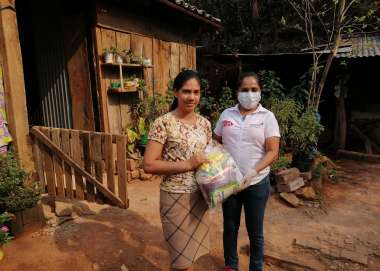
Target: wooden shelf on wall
[[127, 65], [122, 90]]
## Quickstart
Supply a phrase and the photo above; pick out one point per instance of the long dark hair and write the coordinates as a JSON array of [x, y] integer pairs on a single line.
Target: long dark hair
[[180, 80], [248, 74]]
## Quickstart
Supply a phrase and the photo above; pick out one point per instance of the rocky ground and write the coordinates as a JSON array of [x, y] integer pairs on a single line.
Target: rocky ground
[[339, 231]]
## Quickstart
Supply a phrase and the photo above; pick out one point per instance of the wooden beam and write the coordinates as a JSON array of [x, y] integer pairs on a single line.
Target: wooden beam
[[368, 143], [15, 98], [57, 151]]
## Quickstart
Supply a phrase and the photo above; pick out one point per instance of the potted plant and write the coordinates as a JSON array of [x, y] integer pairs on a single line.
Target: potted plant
[[16, 196], [119, 57], [108, 55], [136, 59], [4, 232], [127, 55], [137, 135], [146, 62]]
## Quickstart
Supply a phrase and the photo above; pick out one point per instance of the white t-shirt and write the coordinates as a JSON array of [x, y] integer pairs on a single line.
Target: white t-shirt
[[244, 137]]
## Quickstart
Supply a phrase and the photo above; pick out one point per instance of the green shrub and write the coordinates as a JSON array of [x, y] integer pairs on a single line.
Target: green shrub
[[15, 195], [304, 133], [287, 112], [271, 85], [214, 106]]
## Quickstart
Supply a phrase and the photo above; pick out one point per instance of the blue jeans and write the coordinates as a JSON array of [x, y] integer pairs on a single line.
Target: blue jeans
[[254, 199]]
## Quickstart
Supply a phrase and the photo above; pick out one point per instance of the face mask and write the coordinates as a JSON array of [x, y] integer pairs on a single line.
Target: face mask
[[249, 100]]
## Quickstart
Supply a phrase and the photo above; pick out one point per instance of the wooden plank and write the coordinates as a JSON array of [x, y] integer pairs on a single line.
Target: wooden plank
[[58, 164], [78, 71], [161, 58], [49, 144], [110, 162], [76, 150], [65, 139], [114, 114], [48, 162], [137, 44], [113, 102], [38, 157], [174, 60], [165, 54], [183, 57], [96, 154], [87, 149], [148, 72], [13, 78], [121, 143], [123, 41], [193, 56], [102, 92]]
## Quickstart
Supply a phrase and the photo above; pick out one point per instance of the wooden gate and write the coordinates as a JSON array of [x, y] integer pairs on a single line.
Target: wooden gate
[[82, 165]]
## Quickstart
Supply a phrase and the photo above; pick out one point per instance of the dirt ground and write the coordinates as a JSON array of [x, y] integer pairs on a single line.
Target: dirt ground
[[340, 233]]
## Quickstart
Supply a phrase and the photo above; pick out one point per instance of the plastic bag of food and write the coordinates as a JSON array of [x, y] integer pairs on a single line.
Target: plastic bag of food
[[220, 178]]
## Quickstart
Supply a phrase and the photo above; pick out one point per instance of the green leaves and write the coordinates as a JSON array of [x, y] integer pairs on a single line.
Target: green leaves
[[15, 195], [214, 106], [305, 132]]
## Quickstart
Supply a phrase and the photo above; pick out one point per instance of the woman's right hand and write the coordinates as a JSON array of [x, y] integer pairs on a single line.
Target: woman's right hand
[[197, 160]]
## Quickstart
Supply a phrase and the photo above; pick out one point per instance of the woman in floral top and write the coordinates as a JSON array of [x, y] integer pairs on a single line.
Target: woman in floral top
[[175, 149]]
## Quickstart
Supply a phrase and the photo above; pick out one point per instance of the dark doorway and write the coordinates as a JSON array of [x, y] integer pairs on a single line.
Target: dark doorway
[[56, 44]]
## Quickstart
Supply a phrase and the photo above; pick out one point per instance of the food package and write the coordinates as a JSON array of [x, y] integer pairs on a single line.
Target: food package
[[220, 178]]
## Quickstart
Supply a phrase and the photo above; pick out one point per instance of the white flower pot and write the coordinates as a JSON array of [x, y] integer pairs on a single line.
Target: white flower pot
[[108, 57], [118, 59]]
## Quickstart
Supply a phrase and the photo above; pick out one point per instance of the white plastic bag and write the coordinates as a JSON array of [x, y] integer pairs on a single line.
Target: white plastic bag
[[220, 178]]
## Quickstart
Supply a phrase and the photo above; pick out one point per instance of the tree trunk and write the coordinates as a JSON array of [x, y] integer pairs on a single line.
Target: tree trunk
[[333, 52], [255, 9], [340, 120]]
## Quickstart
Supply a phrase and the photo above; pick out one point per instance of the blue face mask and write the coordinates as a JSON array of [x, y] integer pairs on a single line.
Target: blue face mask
[[249, 100]]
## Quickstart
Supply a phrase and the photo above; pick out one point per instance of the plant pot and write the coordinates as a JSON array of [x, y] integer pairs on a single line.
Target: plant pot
[[127, 59], [28, 219], [115, 85], [144, 139], [136, 60], [146, 62], [119, 59], [108, 58], [302, 162], [16, 225]]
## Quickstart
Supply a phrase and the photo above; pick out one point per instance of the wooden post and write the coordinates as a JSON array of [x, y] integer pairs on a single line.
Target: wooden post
[[15, 99]]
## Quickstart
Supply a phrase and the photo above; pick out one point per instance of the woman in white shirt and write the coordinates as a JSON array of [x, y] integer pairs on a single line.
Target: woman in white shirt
[[251, 134]]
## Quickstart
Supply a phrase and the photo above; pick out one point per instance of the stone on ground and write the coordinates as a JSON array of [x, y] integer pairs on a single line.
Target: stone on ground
[[307, 193], [290, 199], [63, 208], [82, 209], [306, 175], [291, 186], [287, 175]]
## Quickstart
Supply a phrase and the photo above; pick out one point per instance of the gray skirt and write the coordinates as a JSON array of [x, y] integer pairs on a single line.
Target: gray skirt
[[185, 224]]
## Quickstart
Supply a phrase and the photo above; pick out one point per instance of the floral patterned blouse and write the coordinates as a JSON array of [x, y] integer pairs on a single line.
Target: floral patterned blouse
[[181, 141]]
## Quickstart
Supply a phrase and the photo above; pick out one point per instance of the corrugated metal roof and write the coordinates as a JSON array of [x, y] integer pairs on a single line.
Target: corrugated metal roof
[[364, 46], [196, 10], [360, 46]]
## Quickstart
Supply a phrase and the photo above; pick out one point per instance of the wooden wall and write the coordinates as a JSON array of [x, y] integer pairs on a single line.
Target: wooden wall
[[168, 58]]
